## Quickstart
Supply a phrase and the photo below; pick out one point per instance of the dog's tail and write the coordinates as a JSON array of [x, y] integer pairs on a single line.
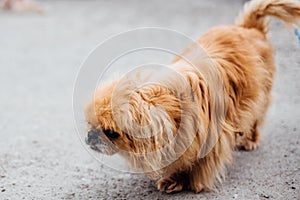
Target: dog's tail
[[255, 12]]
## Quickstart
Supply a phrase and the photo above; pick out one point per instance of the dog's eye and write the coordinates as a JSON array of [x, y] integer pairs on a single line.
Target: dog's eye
[[111, 134]]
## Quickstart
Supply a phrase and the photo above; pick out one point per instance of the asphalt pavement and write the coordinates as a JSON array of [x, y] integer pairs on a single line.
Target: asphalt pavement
[[41, 156]]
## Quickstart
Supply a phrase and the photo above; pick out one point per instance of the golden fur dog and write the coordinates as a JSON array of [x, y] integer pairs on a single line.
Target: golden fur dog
[[202, 117]]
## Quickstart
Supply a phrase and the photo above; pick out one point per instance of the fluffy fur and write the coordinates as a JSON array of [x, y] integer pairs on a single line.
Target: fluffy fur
[[202, 117]]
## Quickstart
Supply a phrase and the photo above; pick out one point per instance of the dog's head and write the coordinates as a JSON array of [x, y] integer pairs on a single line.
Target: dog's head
[[140, 120]]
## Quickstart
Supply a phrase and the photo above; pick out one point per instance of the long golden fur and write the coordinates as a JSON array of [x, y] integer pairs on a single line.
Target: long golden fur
[[203, 123]]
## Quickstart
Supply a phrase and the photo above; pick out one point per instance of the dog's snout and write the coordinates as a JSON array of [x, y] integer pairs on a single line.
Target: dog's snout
[[92, 137], [92, 134]]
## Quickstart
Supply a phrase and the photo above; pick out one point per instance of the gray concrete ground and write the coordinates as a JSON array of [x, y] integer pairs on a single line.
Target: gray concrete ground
[[41, 156]]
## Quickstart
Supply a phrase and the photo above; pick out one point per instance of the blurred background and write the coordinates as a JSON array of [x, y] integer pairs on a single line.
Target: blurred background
[[42, 45]]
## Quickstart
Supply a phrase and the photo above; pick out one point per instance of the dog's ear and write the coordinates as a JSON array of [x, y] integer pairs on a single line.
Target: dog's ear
[[149, 112], [149, 116]]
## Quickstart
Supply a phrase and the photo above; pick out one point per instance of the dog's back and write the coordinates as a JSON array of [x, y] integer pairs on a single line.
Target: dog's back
[[245, 60]]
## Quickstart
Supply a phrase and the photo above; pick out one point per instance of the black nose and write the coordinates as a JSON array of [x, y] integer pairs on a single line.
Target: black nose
[[92, 137]]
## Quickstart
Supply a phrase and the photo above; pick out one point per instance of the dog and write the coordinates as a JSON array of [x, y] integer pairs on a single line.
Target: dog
[[182, 132]]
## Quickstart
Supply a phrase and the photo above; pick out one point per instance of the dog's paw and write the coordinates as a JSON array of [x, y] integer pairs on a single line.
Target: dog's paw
[[250, 145], [247, 145], [169, 185], [197, 187], [248, 141]]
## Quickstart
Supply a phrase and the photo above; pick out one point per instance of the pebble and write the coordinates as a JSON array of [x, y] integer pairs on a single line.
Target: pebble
[[265, 196]]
